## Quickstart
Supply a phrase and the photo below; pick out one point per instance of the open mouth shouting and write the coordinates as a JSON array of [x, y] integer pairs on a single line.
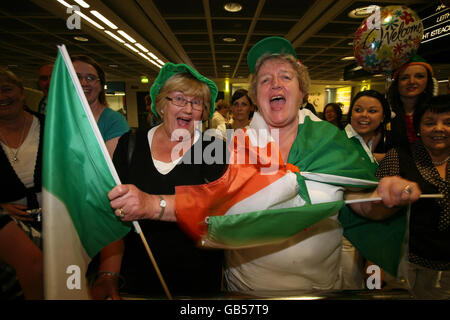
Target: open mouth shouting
[[184, 121], [277, 102]]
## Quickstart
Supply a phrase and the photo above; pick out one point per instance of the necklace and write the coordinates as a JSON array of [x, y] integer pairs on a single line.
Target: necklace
[[14, 154], [438, 163]]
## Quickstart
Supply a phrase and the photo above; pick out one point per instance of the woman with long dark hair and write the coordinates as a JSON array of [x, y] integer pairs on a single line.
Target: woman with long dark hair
[[412, 86]]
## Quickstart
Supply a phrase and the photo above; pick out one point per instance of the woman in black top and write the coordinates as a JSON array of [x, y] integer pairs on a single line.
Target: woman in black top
[[156, 161], [426, 162]]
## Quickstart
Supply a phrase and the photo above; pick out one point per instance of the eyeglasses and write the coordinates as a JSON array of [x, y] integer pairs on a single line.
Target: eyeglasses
[[90, 78], [181, 101]]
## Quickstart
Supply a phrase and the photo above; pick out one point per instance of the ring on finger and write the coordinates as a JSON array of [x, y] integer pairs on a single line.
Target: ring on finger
[[407, 189], [121, 214]]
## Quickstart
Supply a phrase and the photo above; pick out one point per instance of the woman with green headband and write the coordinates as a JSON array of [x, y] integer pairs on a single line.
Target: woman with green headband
[[163, 157], [299, 142]]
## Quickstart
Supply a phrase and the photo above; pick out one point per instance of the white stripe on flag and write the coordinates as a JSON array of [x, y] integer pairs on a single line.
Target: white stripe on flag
[[279, 194], [65, 268]]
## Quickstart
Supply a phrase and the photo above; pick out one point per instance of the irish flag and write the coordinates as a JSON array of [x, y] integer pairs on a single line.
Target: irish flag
[[262, 199], [77, 174]]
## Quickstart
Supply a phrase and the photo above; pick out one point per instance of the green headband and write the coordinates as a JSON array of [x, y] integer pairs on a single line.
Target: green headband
[[270, 45], [169, 70]]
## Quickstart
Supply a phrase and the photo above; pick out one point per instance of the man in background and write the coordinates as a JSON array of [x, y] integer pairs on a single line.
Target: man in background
[[44, 76]]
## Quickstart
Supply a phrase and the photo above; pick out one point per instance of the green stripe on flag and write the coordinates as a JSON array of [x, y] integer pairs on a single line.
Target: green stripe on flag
[[321, 147], [266, 226], [74, 166], [382, 242]]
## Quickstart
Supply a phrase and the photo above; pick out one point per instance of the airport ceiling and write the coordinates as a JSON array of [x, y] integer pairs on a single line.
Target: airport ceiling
[[185, 31]]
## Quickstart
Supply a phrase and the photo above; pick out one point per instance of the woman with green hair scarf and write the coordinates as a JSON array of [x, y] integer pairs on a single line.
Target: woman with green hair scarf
[[162, 158]]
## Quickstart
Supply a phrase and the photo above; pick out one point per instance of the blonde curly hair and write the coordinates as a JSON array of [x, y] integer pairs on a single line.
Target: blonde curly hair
[[302, 73]]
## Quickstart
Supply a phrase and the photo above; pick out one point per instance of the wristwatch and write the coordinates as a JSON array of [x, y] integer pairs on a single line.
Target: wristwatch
[[162, 204]]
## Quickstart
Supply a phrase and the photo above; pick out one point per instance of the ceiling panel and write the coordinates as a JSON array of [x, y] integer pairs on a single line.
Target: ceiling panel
[[189, 32]]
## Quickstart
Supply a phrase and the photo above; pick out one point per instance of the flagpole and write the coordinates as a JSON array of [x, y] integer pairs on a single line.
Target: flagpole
[[106, 155], [155, 265], [423, 196]]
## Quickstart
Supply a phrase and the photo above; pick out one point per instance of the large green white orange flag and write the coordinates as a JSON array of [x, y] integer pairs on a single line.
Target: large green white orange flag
[[249, 204], [256, 202], [77, 174]]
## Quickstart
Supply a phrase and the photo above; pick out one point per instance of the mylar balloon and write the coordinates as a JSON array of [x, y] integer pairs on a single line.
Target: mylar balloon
[[387, 39]]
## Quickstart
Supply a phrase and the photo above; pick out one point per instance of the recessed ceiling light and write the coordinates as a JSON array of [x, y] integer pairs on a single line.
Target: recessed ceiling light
[[82, 39], [144, 56], [363, 12], [152, 55], [348, 58], [85, 17], [64, 3], [356, 68], [126, 36], [229, 39], [131, 47], [232, 7], [226, 66], [114, 36], [104, 19], [140, 46], [82, 3]]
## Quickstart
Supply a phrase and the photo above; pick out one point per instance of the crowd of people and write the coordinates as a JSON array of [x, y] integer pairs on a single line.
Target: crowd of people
[[399, 143]]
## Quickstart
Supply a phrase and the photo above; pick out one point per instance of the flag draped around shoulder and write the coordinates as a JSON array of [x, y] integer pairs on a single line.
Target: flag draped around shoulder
[[260, 199], [77, 175], [266, 201]]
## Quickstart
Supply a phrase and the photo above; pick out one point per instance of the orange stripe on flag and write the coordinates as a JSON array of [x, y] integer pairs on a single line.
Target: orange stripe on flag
[[242, 179], [292, 167]]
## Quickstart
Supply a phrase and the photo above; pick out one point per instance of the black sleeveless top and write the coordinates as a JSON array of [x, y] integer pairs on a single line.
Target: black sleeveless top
[[187, 270], [429, 231]]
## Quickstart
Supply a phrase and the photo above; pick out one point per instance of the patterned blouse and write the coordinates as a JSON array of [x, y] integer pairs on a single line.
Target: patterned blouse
[[437, 216]]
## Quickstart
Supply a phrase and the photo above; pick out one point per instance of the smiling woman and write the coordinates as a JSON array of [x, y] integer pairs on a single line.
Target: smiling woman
[[369, 117], [20, 153], [21, 136], [427, 162], [299, 142], [165, 157], [111, 124], [412, 86]]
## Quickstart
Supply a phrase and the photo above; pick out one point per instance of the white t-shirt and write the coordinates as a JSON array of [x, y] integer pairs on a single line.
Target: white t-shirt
[[165, 167], [27, 156], [308, 261]]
